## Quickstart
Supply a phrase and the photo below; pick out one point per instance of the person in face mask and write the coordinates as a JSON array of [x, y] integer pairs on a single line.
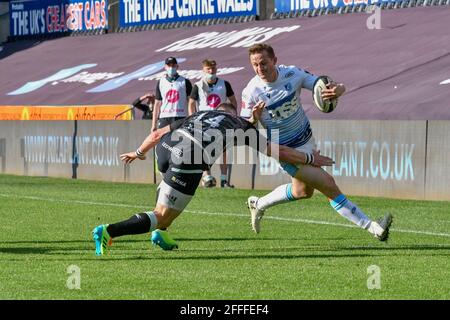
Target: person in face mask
[[171, 98], [208, 94]]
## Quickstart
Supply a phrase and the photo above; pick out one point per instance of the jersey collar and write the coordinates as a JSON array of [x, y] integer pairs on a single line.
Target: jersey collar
[[172, 79]]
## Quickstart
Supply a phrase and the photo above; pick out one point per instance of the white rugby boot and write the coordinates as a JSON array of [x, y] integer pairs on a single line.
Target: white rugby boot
[[380, 228], [256, 214]]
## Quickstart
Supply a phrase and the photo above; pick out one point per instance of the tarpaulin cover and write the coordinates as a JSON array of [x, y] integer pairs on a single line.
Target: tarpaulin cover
[[401, 71]]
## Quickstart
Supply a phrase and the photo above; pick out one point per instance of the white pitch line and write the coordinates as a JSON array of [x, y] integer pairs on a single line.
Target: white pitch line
[[306, 221]]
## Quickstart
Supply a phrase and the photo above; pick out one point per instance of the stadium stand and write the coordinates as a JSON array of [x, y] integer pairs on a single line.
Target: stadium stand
[[382, 61], [360, 7]]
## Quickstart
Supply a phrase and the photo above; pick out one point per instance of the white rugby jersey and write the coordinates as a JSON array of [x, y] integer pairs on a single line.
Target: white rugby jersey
[[283, 109], [211, 97]]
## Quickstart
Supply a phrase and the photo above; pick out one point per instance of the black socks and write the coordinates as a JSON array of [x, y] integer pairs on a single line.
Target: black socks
[[136, 224]]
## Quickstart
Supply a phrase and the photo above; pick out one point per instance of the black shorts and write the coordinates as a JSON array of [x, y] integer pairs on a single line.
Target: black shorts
[[183, 177], [162, 122]]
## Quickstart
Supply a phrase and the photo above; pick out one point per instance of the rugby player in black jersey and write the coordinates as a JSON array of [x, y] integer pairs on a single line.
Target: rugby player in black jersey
[[184, 150]]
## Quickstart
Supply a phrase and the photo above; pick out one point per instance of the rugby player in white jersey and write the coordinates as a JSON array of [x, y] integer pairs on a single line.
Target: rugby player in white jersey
[[278, 88]]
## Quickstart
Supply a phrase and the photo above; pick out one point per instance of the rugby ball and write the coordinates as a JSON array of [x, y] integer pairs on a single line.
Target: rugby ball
[[323, 105]]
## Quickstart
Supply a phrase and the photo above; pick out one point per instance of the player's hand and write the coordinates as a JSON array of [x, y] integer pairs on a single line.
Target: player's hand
[[333, 90], [150, 97], [257, 110], [130, 157], [320, 160]]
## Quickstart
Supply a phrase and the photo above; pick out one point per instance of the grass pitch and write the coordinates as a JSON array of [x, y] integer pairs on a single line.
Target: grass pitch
[[305, 250]]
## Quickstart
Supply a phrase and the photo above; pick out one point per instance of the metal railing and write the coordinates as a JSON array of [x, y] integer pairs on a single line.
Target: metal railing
[[357, 8], [267, 7]]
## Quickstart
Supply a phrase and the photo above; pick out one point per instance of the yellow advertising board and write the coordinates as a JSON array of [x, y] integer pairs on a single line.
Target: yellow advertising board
[[91, 112]]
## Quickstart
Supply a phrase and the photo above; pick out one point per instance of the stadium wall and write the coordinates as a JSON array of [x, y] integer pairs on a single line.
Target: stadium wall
[[394, 159], [4, 21]]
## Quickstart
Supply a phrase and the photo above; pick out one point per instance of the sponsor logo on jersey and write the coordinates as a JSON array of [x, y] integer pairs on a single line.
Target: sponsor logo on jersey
[[175, 151], [289, 74], [173, 96], [178, 181], [213, 100], [287, 109]]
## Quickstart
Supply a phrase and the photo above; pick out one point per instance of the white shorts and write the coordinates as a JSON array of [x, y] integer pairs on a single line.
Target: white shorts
[[172, 198]]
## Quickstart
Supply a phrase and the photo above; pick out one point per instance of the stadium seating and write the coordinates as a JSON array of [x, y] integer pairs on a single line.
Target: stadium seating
[[114, 27], [356, 8]]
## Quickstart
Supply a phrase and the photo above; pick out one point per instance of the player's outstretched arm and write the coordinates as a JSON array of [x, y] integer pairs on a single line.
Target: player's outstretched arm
[[150, 142], [293, 156]]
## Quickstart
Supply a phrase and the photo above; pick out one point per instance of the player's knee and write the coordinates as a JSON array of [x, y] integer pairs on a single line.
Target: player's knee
[[303, 193], [308, 194]]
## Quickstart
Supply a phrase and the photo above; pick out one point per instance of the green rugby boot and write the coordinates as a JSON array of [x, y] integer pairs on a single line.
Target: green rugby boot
[[101, 238], [162, 239]]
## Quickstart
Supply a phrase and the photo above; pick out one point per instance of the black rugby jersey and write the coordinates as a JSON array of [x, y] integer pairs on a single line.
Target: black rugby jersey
[[218, 130]]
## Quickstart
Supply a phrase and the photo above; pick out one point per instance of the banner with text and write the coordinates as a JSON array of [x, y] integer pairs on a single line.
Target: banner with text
[[91, 112], [74, 149], [141, 12], [394, 159], [29, 18], [296, 5]]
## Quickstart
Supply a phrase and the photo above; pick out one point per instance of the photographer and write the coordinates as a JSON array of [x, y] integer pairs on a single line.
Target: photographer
[[145, 104]]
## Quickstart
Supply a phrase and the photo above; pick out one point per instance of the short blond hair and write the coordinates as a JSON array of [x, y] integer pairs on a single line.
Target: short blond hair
[[260, 48], [209, 63]]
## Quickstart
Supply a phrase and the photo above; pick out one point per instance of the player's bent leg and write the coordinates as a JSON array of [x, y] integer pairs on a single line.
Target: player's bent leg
[[288, 192], [224, 183], [171, 203], [285, 193], [282, 194], [301, 190], [317, 178], [322, 181], [160, 237], [165, 215], [136, 224], [258, 206]]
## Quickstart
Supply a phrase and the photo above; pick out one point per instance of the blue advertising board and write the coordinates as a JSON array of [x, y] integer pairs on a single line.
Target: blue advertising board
[[296, 5], [28, 18], [141, 12]]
